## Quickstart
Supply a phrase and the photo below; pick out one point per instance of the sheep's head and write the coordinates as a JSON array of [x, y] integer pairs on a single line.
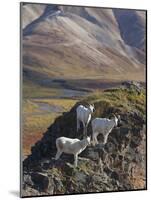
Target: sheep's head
[[116, 119], [88, 140], [119, 118], [91, 108]]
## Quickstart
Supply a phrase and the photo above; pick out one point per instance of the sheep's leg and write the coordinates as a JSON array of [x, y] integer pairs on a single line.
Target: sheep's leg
[[78, 124], [58, 154], [94, 138], [75, 160], [105, 138], [84, 129], [96, 141], [101, 164]]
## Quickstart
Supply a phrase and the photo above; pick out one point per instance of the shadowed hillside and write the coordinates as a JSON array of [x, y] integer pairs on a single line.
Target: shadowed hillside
[[132, 27]]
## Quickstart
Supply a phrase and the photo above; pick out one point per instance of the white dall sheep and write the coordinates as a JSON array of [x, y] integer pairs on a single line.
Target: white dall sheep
[[84, 116], [103, 126], [71, 146]]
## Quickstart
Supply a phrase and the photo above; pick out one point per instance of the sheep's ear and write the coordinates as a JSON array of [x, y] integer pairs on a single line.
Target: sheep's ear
[[118, 117]]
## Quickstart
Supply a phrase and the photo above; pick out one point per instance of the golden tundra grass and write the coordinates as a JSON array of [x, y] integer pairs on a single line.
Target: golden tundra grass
[[36, 121]]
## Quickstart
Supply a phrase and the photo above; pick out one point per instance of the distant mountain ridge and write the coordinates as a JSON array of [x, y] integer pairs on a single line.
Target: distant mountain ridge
[[72, 41]]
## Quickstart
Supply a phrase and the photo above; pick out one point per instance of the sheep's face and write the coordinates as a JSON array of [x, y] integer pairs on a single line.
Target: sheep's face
[[88, 140], [92, 108], [116, 121], [119, 118]]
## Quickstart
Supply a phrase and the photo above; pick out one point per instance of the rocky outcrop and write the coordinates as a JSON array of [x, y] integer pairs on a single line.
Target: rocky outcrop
[[120, 164]]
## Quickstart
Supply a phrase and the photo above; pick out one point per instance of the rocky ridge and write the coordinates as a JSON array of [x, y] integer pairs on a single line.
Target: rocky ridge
[[119, 165]]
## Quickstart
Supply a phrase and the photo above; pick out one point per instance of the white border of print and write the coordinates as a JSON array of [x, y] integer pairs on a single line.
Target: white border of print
[[9, 99]]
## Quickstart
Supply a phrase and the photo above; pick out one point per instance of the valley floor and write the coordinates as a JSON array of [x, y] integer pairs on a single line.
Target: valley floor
[[38, 114], [41, 105]]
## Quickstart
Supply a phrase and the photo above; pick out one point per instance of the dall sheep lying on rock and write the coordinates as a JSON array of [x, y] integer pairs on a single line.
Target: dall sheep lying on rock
[[84, 116], [71, 146], [103, 126]]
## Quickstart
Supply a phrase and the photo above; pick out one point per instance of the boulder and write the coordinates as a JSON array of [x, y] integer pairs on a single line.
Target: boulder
[[41, 181]]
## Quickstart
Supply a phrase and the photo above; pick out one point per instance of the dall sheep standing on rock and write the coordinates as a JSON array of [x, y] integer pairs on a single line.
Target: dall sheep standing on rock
[[103, 126], [84, 116], [71, 146]]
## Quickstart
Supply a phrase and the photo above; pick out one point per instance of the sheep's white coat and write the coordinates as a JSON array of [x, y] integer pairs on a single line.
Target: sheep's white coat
[[84, 116], [103, 126], [71, 146]]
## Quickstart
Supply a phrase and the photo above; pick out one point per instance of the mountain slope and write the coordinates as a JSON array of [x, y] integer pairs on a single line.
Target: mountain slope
[[132, 27], [75, 42], [30, 12]]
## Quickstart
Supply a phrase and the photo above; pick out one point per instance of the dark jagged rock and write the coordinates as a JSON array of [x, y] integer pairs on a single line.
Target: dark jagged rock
[[108, 167], [133, 85], [40, 181]]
